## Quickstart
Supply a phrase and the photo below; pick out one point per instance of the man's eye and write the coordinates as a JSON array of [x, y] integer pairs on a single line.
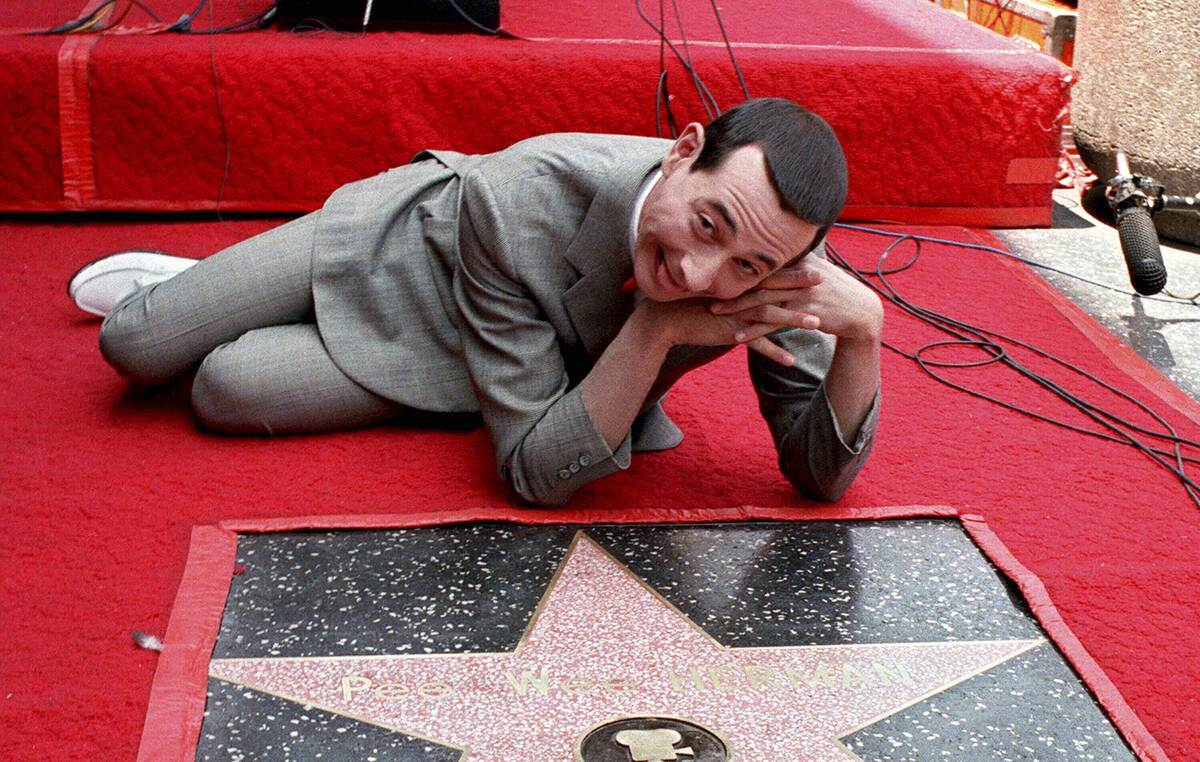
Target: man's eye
[[747, 267], [706, 223]]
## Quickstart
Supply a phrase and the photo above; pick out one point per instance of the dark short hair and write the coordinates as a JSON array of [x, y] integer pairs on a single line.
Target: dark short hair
[[805, 162]]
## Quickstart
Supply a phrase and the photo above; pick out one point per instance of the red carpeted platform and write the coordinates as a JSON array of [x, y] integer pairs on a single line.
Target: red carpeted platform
[[104, 484], [943, 121]]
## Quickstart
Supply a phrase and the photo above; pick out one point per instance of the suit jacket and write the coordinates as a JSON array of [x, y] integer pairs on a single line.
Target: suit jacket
[[493, 282]]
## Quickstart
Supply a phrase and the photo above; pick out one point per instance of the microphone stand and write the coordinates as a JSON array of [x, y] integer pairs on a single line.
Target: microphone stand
[[1133, 200]]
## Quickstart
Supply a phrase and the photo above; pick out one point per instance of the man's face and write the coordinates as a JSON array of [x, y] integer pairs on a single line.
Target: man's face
[[713, 233]]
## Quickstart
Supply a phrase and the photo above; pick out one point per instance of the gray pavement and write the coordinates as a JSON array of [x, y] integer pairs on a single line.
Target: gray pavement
[[1163, 330]]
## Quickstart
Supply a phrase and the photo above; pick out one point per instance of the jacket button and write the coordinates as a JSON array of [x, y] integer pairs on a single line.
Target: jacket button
[[574, 468], [564, 474], [585, 460]]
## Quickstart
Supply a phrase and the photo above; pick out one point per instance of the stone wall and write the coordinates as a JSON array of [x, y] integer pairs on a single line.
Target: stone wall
[[1139, 90]]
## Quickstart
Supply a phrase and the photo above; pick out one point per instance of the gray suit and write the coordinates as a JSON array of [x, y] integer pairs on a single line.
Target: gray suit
[[493, 282]]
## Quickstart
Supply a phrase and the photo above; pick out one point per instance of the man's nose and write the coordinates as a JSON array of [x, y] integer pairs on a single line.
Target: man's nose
[[699, 270]]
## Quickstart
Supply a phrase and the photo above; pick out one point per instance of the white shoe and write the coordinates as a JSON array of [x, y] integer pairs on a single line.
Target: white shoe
[[100, 285]]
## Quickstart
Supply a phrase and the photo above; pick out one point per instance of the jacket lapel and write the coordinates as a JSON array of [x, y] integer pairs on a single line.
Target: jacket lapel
[[597, 303]]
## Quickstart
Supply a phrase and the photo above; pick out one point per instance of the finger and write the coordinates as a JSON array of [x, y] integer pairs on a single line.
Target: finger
[[772, 351], [749, 300], [754, 331], [757, 296], [779, 316], [792, 277]]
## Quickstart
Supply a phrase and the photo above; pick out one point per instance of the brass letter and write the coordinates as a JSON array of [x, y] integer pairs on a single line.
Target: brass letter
[[624, 683], [853, 678], [693, 675], [820, 675], [577, 685], [349, 688], [435, 689], [760, 675], [889, 677], [391, 691], [541, 683], [721, 676]]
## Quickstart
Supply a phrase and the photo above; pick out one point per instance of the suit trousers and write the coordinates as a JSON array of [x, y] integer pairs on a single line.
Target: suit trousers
[[244, 316]]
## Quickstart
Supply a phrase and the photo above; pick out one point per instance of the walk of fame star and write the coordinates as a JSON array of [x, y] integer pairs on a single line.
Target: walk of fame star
[[601, 646]]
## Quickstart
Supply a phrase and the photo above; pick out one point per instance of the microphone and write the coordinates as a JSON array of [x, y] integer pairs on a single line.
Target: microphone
[[1132, 199]]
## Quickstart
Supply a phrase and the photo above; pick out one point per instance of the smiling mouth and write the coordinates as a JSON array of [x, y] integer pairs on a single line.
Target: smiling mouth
[[666, 280]]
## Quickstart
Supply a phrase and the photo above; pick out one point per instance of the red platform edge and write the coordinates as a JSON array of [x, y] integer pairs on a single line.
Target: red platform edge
[[179, 691], [959, 216], [80, 192]]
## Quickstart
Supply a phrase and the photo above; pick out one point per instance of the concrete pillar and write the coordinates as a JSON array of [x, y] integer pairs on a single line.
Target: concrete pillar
[[1139, 90]]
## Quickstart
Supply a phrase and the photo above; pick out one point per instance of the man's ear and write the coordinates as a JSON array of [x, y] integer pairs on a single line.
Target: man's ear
[[685, 149]]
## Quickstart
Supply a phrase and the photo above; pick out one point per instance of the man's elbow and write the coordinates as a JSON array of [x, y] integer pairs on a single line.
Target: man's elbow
[[823, 484], [536, 492], [543, 500], [821, 492]]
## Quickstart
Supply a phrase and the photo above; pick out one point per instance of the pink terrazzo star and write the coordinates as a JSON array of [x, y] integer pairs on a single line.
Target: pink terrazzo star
[[602, 646]]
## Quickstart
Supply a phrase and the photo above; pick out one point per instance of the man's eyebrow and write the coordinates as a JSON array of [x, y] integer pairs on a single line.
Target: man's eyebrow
[[770, 262], [724, 212]]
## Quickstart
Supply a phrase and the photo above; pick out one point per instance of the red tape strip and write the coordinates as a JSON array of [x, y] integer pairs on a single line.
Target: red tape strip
[[570, 516], [75, 121], [1035, 594], [180, 688]]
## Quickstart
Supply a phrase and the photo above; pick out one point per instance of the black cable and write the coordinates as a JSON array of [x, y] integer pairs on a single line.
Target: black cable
[[662, 95], [82, 23], [184, 23], [706, 97], [144, 7], [711, 109], [314, 27], [257, 21], [1114, 428], [121, 16], [125, 12], [980, 341], [732, 58], [1125, 439], [212, 56], [74, 24]]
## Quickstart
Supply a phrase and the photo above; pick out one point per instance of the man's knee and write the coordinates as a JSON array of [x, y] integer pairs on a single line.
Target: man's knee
[[127, 347], [225, 396], [280, 380]]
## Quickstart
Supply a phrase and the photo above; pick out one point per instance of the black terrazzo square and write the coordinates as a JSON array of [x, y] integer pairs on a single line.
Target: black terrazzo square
[[783, 616]]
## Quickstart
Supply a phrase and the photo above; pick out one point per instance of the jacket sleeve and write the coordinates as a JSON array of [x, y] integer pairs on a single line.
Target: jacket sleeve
[[813, 454], [545, 443]]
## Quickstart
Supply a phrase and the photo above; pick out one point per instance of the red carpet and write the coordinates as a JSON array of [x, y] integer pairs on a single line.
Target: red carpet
[[104, 484], [943, 121]]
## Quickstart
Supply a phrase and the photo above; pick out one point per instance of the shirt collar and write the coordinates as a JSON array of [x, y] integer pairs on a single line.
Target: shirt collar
[[647, 184], [637, 206]]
